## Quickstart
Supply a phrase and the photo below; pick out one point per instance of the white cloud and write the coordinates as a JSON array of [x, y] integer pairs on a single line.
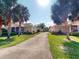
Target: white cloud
[[49, 24]]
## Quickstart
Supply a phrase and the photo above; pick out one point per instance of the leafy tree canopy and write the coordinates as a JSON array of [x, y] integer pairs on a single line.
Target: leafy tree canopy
[[62, 8]]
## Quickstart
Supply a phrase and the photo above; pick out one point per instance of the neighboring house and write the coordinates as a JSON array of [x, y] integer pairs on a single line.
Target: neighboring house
[[64, 28], [75, 26], [28, 27], [57, 28], [15, 27], [25, 27]]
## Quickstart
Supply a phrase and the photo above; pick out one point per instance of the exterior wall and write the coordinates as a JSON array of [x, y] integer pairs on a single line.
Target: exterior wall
[[34, 29], [78, 28], [73, 27], [27, 29], [57, 28], [30, 28], [65, 29], [16, 29]]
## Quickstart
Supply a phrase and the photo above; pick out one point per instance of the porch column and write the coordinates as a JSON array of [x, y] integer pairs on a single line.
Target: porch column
[[70, 30], [78, 28], [15, 29]]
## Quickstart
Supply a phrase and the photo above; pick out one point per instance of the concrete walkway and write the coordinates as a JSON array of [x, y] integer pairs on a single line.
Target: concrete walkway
[[34, 48]]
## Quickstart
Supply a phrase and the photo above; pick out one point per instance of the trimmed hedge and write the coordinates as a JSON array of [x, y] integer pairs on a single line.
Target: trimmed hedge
[[13, 33], [5, 33], [58, 33], [27, 33], [74, 33]]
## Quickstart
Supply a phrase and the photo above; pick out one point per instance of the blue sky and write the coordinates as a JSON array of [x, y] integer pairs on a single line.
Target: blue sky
[[39, 14]]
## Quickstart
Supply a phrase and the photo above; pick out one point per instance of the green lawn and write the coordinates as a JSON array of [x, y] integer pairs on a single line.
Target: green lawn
[[62, 49], [15, 40]]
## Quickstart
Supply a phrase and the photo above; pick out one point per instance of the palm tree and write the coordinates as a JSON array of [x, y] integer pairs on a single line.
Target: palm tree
[[1, 15], [0, 25], [60, 12], [21, 14], [10, 10], [8, 6]]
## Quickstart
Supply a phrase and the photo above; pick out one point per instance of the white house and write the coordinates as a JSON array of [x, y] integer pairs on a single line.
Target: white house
[[28, 27], [64, 27]]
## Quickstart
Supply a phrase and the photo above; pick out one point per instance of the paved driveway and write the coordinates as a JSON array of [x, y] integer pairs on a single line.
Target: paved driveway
[[34, 48]]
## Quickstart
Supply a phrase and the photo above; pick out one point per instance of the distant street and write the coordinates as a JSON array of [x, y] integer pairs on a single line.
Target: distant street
[[34, 48]]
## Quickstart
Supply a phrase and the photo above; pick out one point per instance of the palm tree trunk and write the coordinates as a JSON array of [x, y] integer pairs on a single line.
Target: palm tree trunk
[[8, 36], [0, 25], [0, 32], [68, 31], [68, 37], [8, 27], [19, 28]]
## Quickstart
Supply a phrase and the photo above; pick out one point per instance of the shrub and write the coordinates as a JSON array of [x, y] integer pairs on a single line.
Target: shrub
[[5, 33], [13, 33], [58, 33], [74, 33], [38, 30], [27, 33], [4, 30]]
